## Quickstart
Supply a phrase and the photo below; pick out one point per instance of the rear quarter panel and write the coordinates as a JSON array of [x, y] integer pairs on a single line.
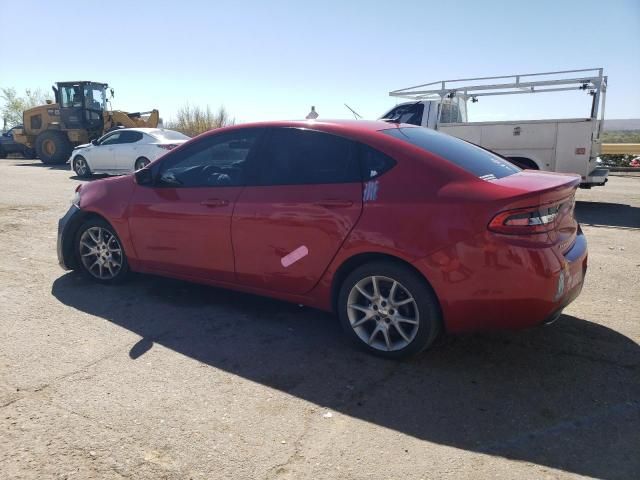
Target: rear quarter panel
[[410, 216]]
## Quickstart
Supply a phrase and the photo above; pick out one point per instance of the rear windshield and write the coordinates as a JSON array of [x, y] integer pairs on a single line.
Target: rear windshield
[[476, 160], [169, 135]]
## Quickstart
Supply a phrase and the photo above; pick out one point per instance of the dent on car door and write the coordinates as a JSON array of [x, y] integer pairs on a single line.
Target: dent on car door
[[307, 197], [181, 224]]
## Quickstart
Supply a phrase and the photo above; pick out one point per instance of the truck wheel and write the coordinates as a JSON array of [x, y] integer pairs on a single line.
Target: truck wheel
[[53, 147]]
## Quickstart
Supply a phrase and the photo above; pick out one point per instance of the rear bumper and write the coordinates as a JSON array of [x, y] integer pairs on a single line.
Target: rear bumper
[[596, 178], [481, 287]]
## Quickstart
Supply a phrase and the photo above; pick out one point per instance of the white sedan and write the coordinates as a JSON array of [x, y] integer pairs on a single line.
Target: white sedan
[[124, 150]]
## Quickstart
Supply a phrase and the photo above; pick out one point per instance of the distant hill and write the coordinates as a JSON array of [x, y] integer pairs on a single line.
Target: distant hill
[[622, 124]]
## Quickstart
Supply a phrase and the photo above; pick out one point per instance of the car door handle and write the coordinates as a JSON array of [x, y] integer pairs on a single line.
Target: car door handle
[[333, 203], [215, 202]]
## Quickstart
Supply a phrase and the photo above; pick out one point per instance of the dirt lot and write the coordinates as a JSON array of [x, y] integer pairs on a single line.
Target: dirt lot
[[163, 379]]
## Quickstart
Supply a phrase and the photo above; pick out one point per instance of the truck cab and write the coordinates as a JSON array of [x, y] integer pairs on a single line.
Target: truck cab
[[429, 113], [82, 105]]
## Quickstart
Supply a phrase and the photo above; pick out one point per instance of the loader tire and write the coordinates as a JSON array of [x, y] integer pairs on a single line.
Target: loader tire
[[53, 147]]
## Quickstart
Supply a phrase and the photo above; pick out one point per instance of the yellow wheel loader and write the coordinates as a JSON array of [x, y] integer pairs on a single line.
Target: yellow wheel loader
[[79, 115]]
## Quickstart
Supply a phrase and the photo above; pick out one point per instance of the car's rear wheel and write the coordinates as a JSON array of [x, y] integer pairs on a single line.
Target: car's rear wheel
[[389, 310], [81, 167], [141, 163], [100, 252]]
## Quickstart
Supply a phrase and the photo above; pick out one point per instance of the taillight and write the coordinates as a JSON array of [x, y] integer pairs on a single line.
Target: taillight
[[166, 146], [525, 221]]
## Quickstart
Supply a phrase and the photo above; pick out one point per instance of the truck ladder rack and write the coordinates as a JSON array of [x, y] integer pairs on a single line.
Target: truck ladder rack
[[589, 79]]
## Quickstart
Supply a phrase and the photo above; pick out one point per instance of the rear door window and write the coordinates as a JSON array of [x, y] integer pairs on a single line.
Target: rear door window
[[294, 156], [478, 161]]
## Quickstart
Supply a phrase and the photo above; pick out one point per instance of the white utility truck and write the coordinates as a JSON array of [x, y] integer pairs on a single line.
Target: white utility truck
[[568, 145]]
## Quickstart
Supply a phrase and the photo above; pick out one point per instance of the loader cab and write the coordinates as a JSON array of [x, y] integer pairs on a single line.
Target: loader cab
[[82, 104], [429, 113]]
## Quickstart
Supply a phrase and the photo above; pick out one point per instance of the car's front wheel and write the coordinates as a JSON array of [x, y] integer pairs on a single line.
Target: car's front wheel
[[81, 167], [100, 252], [389, 310]]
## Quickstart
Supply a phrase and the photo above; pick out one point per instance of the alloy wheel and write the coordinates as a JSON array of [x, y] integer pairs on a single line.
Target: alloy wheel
[[383, 313], [81, 167], [101, 253]]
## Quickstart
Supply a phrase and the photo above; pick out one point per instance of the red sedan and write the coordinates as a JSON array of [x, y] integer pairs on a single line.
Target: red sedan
[[402, 231]]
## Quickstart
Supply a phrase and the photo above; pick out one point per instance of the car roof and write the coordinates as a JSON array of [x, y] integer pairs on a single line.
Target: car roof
[[142, 129], [356, 129], [346, 125]]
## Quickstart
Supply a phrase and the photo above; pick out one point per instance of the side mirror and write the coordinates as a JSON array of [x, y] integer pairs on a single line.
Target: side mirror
[[94, 142], [144, 176]]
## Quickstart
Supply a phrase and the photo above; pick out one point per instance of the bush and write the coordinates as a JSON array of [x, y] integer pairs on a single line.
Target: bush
[[193, 121], [619, 136]]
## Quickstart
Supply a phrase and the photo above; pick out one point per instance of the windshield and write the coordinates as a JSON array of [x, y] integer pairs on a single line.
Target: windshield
[[94, 97], [170, 135], [478, 161]]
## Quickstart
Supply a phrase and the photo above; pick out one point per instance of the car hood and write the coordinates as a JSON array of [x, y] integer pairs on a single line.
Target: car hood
[[84, 145]]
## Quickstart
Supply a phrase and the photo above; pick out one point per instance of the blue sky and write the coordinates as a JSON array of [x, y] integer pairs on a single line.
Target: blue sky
[[272, 60]]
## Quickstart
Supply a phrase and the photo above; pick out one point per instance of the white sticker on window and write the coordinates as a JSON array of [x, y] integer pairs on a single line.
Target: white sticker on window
[[370, 191]]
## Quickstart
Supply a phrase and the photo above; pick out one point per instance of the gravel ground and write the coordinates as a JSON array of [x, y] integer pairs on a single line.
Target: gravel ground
[[163, 379]]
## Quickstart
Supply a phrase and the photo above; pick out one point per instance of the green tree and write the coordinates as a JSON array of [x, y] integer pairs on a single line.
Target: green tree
[[13, 104]]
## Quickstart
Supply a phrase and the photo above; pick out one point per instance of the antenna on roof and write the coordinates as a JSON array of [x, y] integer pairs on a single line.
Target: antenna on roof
[[356, 115], [312, 115]]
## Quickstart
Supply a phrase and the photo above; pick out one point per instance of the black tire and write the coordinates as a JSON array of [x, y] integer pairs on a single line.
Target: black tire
[[29, 153], [81, 167], [53, 147], [82, 260], [141, 163], [424, 309]]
